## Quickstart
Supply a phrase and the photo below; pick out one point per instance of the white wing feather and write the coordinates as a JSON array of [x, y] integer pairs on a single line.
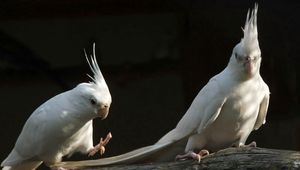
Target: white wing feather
[[262, 114], [203, 111]]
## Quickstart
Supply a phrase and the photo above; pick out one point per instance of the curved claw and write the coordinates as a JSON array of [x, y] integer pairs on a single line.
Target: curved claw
[[101, 146], [252, 144], [193, 155]]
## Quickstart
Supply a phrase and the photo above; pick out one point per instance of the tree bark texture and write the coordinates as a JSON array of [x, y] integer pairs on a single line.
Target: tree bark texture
[[230, 158]]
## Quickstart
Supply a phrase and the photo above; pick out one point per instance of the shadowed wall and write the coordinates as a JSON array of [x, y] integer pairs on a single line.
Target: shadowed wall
[[155, 56]]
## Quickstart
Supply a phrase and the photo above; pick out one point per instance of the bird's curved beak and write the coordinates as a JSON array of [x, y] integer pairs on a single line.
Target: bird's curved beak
[[103, 111]]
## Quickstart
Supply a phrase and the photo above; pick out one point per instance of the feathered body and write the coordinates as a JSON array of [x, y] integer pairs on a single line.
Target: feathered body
[[223, 114], [62, 125], [232, 104]]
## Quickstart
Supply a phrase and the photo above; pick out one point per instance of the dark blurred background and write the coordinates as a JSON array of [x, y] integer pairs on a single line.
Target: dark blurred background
[[155, 55]]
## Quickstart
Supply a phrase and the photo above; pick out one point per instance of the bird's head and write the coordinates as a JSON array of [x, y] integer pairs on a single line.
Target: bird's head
[[96, 96], [246, 55]]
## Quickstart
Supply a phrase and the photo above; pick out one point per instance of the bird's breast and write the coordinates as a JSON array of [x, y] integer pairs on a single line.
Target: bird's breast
[[239, 110], [236, 119]]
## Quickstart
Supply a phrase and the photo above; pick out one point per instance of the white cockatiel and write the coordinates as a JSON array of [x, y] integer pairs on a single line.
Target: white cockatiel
[[62, 125], [226, 110]]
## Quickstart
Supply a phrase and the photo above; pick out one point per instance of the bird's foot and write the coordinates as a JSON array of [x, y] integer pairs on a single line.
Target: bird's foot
[[193, 155], [241, 145], [60, 168], [101, 146], [251, 145]]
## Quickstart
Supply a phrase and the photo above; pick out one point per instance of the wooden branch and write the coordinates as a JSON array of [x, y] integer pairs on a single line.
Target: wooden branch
[[231, 158]]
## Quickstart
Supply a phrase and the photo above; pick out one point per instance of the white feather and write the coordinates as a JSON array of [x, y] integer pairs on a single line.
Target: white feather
[[98, 77]]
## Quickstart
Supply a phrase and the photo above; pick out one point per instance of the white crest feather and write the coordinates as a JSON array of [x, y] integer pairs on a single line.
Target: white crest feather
[[98, 77], [250, 29]]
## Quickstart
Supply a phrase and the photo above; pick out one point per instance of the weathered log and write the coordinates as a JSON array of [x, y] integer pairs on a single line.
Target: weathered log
[[230, 158]]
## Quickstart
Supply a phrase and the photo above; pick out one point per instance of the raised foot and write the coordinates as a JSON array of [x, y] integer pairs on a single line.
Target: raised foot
[[193, 155], [101, 146]]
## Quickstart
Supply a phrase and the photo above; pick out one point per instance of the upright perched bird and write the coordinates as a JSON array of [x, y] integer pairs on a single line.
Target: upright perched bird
[[62, 125], [227, 109]]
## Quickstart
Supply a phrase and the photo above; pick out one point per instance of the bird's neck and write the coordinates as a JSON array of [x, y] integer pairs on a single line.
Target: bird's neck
[[240, 74]]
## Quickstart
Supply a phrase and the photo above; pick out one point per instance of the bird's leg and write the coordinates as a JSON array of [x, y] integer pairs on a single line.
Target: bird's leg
[[101, 146], [192, 155]]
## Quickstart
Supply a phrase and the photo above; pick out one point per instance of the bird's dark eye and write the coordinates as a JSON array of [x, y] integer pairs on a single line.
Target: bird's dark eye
[[236, 56], [93, 101]]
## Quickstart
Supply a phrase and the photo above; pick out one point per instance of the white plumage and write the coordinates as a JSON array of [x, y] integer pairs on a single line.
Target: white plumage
[[226, 110], [62, 125]]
